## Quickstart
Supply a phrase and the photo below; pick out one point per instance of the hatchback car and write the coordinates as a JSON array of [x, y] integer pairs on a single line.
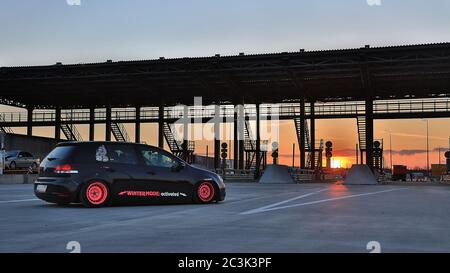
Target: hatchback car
[[102, 173], [20, 159]]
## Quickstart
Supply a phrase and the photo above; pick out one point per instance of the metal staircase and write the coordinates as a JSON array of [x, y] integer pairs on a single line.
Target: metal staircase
[[3, 129], [318, 155], [175, 146], [71, 132], [297, 122], [119, 132], [249, 147], [250, 150], [361, 122], [317, 149]]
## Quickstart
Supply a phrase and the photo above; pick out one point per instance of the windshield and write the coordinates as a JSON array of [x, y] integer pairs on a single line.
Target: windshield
[[11, 154]]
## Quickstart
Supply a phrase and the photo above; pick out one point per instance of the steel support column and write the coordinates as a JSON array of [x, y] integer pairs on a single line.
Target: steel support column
[[217, 121], [30, 121], [302, 135], [369, 132], [161, 126], [258, 140], [368, 90], [313, 137], [91, 124], [185, 132], [108, 123], [137, 125], [58, 123], [241, 135], [235, 139]]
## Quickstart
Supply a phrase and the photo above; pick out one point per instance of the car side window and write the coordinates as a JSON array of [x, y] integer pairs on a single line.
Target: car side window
[[25, 154], [116, 153], [157, 159]]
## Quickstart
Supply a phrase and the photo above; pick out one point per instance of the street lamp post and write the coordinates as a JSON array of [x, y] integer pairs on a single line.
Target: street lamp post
[[390, 149], [428, 149]]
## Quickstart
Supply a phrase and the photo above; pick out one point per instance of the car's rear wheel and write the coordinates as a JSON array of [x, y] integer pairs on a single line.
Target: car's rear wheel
[[205, 192], [12, 165], [95, 194]]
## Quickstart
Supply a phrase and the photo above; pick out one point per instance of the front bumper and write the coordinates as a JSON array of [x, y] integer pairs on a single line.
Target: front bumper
[[59, 190], [222, 194]]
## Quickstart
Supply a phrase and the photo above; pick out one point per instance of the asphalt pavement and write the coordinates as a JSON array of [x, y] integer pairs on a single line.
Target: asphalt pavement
[[254, 218]]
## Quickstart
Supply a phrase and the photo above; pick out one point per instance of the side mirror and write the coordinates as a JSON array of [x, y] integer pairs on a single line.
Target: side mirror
[[178, 167]]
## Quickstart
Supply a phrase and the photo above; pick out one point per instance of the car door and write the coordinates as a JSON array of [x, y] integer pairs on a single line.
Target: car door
[[28, 159], [163, 176], [21, 161], [118, 163]]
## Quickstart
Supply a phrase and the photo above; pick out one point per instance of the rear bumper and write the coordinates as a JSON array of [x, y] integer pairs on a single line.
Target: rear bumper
[[59, 190]]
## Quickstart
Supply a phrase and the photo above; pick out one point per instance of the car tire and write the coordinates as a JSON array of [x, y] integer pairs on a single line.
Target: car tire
[[95, 194], [205, 192], [12, 165]]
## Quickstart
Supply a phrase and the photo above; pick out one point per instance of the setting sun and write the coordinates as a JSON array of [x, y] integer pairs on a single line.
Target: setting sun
[[339, 162], [336, 163]]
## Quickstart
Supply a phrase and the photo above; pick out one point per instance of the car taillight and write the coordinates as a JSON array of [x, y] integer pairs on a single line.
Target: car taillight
[[65, 169]]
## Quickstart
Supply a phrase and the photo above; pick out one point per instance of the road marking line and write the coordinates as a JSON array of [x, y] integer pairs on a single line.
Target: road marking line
[[234, 201], [17, 201], [259, 210]]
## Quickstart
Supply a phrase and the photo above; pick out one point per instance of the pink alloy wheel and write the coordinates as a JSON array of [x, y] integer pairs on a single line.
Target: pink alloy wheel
[[97, 193]]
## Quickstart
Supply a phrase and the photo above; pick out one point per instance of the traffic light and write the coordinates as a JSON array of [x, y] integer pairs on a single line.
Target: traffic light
[[447, 156], [224, 150], [275, 152], [329, 149], [328, 153]]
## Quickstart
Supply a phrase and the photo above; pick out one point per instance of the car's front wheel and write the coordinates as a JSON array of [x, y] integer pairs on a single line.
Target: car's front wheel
[[205, 192], [95, 194]]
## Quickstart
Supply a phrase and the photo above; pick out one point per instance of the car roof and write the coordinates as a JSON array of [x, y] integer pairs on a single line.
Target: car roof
[[80, 143]]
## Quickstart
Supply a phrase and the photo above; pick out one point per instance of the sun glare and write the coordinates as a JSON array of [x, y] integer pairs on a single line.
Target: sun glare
[[336, 163]]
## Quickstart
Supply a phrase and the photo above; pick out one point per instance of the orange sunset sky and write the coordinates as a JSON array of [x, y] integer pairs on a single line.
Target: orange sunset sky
[[408, 138]]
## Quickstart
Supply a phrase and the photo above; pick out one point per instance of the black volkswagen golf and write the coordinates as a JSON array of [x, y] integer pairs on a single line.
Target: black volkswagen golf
[[103, 173]]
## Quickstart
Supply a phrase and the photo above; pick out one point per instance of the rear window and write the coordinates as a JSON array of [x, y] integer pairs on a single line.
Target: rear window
[[59, 155], [104, 152], [116, 153]]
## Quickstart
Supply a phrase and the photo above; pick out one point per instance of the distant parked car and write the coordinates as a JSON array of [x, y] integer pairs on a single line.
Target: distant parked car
[[20, 159]]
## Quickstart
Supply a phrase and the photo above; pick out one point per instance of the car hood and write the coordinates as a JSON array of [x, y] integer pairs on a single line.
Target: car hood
[[203, 172]]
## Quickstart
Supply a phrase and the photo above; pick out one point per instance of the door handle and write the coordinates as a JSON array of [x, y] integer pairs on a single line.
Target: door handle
[[151, 173]]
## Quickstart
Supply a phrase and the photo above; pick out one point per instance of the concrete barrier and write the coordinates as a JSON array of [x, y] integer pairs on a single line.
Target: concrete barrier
[[18, 178], [360, 175], [276, 174], [237, 175]]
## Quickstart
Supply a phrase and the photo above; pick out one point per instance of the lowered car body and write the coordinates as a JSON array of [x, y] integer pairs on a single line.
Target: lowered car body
[[104, 173]]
